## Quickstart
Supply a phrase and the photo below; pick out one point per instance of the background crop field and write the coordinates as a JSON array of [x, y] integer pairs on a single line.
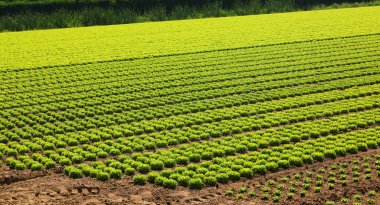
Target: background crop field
[[20, 15], [278, 108]]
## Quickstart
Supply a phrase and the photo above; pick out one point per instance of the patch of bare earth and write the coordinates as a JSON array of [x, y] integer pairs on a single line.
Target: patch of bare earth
[[53, 187]]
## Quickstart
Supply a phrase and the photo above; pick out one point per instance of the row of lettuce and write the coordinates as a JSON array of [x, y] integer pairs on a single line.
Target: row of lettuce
[[196, 123], [192, 65], [223, 74], [199, 64], [212, 170], [227, 123], [196, 154], [180, 115]]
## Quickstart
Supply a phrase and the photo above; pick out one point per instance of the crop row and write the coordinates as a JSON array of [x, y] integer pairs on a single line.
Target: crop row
[[252, 141], [337, 178], [114, 132], [100, 44], [207, 110], [249, 117], [222, 170], [189, 153], [239, 71], [223, 167], [192, 63], [179, 71], [126, 86], [117, 115], [200, 101], [218, 92]]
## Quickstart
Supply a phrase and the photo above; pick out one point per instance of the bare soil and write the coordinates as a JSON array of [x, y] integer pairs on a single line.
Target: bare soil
[[53, 187]]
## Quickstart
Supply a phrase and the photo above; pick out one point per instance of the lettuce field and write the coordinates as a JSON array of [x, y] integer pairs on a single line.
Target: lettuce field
[[266, 109]]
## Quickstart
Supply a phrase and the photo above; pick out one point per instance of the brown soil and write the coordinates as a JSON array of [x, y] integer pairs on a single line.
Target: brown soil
[[53, 187]]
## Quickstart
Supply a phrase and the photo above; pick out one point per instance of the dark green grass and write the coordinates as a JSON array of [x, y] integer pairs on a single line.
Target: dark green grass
[[89, 16]]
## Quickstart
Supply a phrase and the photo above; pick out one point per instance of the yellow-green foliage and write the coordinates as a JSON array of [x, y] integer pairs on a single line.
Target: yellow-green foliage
[[104, 43], [310, 93]]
